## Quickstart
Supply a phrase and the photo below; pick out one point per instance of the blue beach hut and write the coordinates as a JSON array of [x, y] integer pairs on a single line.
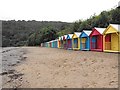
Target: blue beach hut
[[52, 44], [85, 40], [56, 43]]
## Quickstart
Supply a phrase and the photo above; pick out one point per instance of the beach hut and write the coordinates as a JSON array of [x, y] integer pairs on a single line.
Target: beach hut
[[76, 41], [85, 40], [50, 43], [69, 41], [55, 43], [96, 39], [41, 44], [112, 38], [46, 44], [61, 42], [65, 41]]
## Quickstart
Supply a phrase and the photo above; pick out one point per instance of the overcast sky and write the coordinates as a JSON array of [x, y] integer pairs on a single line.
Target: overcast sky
[[53, 10]]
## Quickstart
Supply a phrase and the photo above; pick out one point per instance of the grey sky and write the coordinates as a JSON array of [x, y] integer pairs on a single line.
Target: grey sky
[[53, 10]]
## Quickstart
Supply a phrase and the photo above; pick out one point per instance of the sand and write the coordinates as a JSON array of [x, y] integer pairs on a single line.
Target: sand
[[57, 68]]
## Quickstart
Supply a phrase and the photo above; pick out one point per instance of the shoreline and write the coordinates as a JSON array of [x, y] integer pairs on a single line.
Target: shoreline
[[11, 58]]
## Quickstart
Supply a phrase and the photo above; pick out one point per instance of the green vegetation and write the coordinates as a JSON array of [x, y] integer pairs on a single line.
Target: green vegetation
[[19, 33]]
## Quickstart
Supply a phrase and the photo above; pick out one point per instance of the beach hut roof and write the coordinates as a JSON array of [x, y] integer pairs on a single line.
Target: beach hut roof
[[77, 33], [51, 41], [61, 37], [88, 32], [65, 36], [56, 39], [100, 30], [116, 26], [70, 36]]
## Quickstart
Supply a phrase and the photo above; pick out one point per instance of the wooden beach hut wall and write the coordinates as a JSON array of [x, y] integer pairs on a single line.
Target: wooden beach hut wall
[[96, 39], [41, 44], [112, 38], [58, 42], [44, 44], [69, 41], [61, 42], [85, 40], [76, 40], [52, 43], [65, 41], [48, 44]]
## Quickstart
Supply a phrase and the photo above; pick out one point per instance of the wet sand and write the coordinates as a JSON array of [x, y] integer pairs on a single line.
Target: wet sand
[[11, 58], [58, 68]]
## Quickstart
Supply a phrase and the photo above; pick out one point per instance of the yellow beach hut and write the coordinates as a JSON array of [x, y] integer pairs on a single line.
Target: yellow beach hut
[[112, 38], [76, 41]]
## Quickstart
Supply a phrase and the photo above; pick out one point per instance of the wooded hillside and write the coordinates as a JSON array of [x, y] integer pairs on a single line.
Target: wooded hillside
[[19, 33]]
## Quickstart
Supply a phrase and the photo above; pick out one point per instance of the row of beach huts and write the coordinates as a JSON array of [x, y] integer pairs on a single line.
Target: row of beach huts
[[97, 39]]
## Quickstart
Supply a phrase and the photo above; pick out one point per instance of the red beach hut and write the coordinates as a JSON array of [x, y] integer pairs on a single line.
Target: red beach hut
[[96, 39]]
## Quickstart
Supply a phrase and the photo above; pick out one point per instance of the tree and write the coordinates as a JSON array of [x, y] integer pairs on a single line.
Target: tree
[[76, 25]]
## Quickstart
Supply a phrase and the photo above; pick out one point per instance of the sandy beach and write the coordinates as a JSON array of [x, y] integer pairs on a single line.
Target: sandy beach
[[39, 67]]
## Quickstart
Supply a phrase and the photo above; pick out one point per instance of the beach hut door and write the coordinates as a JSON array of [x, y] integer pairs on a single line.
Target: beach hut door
[[94, 42], [83, 43], [75, 43], [69, 43], [108, 42]]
